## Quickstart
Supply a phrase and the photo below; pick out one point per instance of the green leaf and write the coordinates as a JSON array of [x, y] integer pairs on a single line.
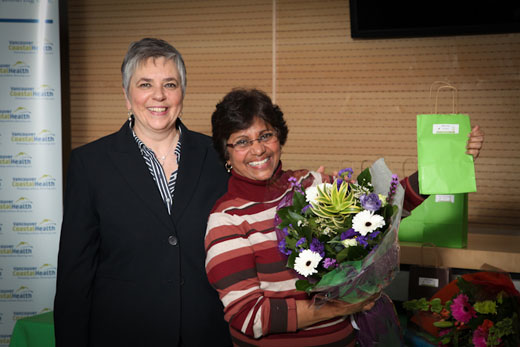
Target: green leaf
[[299, 201], [436, 305], [292, 257], [342, 255], [295, 216], [364, 177], [486, 307], [303, 285], [443, 324]]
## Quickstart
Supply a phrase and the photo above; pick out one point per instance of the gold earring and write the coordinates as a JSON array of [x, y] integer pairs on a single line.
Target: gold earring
[[228, 167], [130, 115]]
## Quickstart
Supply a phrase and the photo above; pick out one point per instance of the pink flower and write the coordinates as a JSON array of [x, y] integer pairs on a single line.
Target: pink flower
[[479, 337], [461, 309]]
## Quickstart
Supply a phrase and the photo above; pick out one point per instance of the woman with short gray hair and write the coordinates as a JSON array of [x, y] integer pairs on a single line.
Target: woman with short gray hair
[[131, 258]]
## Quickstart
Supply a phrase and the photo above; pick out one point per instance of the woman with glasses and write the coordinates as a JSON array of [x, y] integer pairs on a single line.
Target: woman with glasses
[[243, 262]]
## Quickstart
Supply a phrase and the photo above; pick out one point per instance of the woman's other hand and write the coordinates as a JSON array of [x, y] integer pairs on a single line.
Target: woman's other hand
[[475, 141], [309, 314]]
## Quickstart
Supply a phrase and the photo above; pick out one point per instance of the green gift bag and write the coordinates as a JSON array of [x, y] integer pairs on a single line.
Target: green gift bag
[[441, 220], [443, 165]]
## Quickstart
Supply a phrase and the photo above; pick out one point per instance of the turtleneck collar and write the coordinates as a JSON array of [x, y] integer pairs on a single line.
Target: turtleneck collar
[[256, 190]]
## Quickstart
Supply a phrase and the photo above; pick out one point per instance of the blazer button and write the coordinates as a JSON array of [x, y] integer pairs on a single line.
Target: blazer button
[[172, 240]]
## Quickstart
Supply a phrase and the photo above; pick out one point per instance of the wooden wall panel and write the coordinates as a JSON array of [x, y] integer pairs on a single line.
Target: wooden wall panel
[[347, 101]]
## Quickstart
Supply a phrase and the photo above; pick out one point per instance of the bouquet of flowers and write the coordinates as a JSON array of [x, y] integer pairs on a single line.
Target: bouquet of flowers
[[480, 309], [341, 238]]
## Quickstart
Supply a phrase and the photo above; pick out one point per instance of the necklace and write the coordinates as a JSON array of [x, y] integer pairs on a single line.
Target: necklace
[[163, 157]]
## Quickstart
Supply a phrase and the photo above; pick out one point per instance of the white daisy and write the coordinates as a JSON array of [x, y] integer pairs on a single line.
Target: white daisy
[[349, 243], [366, 221], [311, 193], [307, 262]]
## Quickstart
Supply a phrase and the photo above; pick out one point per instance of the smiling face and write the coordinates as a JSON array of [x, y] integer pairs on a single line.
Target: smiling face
[[155, 97], [260, 160]]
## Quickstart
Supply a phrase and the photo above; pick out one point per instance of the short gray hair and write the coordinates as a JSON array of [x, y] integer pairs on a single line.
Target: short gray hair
[[139, 51]]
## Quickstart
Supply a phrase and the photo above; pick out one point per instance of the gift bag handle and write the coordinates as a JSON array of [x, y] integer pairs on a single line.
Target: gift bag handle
[[363, 164], [445, 86], [404, 165], [435, 251]]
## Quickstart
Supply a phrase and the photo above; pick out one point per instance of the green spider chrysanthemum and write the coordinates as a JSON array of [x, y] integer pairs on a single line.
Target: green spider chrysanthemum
[[334, 204]]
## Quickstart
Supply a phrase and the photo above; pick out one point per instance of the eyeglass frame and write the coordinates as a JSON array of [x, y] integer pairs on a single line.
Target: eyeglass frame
[[273, 137]]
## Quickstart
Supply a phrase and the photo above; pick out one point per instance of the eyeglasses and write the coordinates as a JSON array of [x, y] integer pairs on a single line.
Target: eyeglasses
[[243, 144]]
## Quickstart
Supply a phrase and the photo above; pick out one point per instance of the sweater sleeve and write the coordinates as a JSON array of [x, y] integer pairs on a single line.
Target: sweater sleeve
[[233, 248], [412, 199]]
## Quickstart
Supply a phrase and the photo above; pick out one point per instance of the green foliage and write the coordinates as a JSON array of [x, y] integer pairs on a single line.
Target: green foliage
[[503, 325], [486, 307], [364, 178]]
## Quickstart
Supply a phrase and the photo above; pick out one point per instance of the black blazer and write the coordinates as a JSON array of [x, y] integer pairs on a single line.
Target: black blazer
[[129, 274]]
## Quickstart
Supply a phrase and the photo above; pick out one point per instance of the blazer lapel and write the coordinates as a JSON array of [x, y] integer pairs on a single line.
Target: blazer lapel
[[132, 167], [193, 155]]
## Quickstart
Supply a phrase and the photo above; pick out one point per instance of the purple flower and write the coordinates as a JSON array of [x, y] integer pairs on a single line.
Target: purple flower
[[286, 201], [346, 172], [305, 208], [393, 186], [317, 246], [328, 262], [350, 233], [277, 219], [373, 234], [299, 243], [282, 246], [362, 240], [370, 202], [294, 184]]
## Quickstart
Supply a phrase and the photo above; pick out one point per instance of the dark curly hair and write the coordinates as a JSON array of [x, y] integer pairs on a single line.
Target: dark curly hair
[[238, 110]]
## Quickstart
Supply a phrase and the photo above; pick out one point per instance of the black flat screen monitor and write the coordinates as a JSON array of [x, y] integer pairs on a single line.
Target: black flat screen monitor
[[395, 19]]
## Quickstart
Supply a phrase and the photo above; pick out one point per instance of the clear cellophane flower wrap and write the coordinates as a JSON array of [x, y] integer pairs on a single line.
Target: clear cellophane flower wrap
[[355, 281]]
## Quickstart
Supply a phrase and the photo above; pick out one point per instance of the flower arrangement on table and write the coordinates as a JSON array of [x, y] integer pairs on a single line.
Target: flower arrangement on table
[[341, 238], [483, 311]]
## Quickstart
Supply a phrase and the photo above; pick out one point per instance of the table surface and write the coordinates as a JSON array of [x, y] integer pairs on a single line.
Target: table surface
[[485, 251]]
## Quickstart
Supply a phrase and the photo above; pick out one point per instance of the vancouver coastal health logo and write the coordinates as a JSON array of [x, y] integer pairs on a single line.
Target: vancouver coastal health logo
[[18, 69], [21, 159], [22, 249], [33, 272], [20, 114], [23, 293], [45, 226], [44, 137], [44, 182], [30, 47], [44, 91], [22, 204]]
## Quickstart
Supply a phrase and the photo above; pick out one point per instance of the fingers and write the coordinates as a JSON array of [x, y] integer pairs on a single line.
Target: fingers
[[368, 306], [475, 141], [321, 169]]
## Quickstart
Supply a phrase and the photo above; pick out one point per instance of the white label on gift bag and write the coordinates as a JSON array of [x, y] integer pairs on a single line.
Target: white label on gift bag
[[428, 282], [445, 128], [445, 198]]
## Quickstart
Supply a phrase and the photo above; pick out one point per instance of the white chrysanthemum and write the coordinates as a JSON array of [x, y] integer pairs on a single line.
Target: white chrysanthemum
[[349, 243], [311, 193], [366, 221], [307, 262]]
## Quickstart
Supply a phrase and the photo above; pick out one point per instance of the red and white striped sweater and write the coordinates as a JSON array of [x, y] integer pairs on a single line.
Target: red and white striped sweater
[[244, 265]]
